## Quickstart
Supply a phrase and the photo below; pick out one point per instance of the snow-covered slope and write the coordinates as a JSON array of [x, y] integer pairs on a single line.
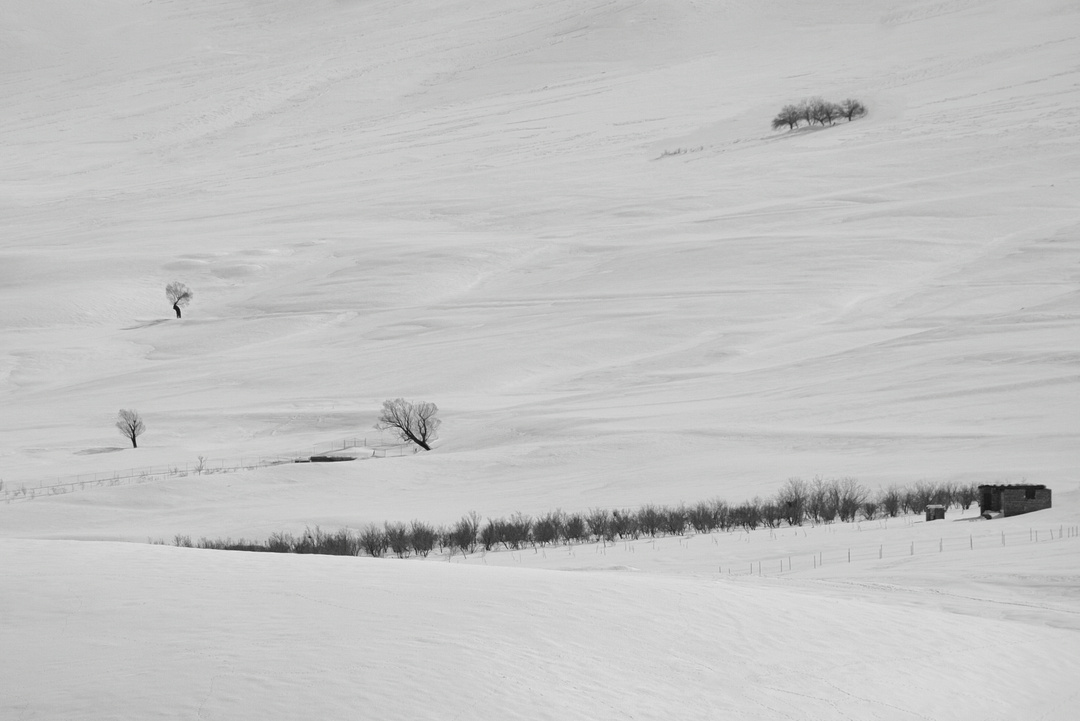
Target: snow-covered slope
[[568, 224]]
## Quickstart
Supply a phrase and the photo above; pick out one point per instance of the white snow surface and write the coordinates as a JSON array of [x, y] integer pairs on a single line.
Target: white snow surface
[[568, 224]]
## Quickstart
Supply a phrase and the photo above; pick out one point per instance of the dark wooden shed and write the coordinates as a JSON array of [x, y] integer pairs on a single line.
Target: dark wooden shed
[[1012, 500]]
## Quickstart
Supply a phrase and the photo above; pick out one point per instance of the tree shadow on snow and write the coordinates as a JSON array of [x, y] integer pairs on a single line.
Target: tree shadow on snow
[[95, 451], [148, 323]]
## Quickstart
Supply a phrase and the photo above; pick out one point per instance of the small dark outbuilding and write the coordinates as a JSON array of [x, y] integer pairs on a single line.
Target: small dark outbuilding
[[1013, 500], [935, 512]]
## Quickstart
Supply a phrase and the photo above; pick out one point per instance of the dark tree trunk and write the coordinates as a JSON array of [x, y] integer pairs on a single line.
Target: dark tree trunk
[[420, 442], [176, 307], [134, 444]]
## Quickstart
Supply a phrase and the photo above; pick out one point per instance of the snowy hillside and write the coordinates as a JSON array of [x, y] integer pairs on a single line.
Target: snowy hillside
[[568, 224]]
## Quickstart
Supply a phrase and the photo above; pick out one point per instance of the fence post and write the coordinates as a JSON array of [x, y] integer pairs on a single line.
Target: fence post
[[913, 548]]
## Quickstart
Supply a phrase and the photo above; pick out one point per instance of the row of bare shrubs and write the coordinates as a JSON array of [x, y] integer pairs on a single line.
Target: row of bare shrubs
[[797, 502], [817, 111]]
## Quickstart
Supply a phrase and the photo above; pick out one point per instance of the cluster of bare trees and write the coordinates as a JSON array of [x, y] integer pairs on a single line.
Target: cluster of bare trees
[[817, 111], [822, 501], [797, 502]]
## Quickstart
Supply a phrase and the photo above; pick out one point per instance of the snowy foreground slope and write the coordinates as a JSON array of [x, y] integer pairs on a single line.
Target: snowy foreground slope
[[568, 225]]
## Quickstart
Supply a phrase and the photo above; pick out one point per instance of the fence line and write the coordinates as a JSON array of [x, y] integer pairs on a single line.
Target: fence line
[[205, 466], [781, 565]]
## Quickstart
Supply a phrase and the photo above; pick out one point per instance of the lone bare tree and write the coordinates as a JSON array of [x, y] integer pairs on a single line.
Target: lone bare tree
[[130, 425], [179, 295], [416, 422]]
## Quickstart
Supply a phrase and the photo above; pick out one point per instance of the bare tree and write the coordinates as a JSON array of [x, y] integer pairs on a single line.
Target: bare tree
[[850, 495], [179, 295], [130, 425], [967, 494], [890, 500], [852, 109], [792, 500], [416, 422], [806, 113], [821, 501], [789, 115]]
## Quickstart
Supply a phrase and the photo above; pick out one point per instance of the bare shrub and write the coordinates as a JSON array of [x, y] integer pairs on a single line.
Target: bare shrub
[[702, 517], [373, 541], [229, 544], [422, 538], [747, 515], [463, 534], [869, 510], [891, 501], [489, 535], [947, 492], [722, 514], [822, 501], [625, 524], [338, 543], [771, 513], [674, 520], [967, 494], [397, 538], [600, 526], [650, 519], [548, 528], [919, 496], [280, 543], [517, 531], [792, 499], [850, 496], [574, 528]]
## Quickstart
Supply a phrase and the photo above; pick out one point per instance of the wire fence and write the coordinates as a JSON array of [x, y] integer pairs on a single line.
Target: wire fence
[[781, 565], [60, 485]]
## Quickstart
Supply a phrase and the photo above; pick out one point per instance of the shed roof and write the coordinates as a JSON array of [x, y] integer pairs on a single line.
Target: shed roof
[[1013, 485]]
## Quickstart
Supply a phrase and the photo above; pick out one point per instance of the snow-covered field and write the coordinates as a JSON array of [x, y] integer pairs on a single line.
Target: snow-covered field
[[568, 224]]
